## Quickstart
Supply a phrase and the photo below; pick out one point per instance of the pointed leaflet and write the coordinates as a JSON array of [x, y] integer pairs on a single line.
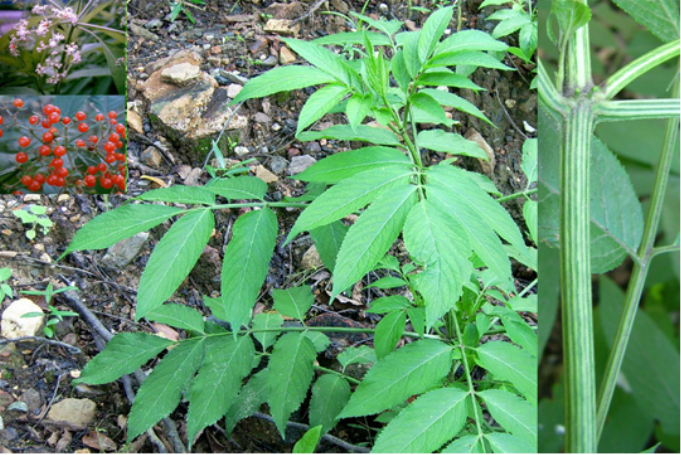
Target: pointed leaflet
[[350, 195], [125, 353], [465, 444], [514, 414], [431, 109], [510, 363], [517, 329], [308, 443], [325, 60], [408, 371], [282, 79], [387, 27], [319, 104], [472, 58], [172, 259], [249, 400], [449, 99], [438, 78], [328, 240], [377, 39], [399, 70], [358, 108], [434, 238], [571, 15], [469, 40], [267, 321], [362, 133], [661, 17], [505, 443], [388, 333], [290, 375], [118, 224], [362, 354], [161, 392], [372, 236], [178, 316], [218, 381], [453, 143], [244, 187], [330, 394], [426, 424], [432, 31], [246, 263], [410, 53], [293, 302], [510, 25], [180, 194], [389, 304], [343, 165], [318, 339]]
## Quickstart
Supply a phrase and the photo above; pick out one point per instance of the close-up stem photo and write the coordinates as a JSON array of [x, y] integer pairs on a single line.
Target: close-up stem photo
[[608, 77]]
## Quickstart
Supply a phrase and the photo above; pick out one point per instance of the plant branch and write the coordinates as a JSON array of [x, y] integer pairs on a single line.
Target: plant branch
[[640, 271], [517, 195], [613, 111], [616, 83], [552, 100], [665, 249], [578, 72]]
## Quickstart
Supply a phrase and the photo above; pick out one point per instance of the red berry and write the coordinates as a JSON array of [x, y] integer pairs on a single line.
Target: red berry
[[54, 118], [80, 116], [33, 119], [110, 147], [91, 170], [57, 110], [24, 142], [0, 133], [80, 143], [105, 182], [83, 127], [18, 192], [59, 150], [101, 167], [34, 186], [45, 150], [119, 145], [60, 181], [40, 178], [1, 119], [120, 128], [49, 108], [21, 157], [99, 117], [62, 172], [46, 124], [114, 137], [90, 181], [110, 159], [93, 139], [112, 114], [18, 103], [26, 180], [119, 157], [113, 121], [66, 120], [48, 137], [52, 180], [57, 163]]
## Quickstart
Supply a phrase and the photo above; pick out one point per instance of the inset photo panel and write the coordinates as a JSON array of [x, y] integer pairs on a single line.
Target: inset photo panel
[[63, 48], [62, 144]]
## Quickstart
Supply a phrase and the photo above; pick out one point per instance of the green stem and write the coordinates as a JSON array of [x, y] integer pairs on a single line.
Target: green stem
[[665, 249], [638, 67], [613, 111], [338, 373], [517, 195], [578, 348], [640, 271], [550, 97], [579, 60]]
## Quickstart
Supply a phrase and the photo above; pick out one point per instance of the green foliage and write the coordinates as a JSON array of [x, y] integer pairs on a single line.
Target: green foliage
[[54, 315], [452, 227], [5, 290], [34, 215]]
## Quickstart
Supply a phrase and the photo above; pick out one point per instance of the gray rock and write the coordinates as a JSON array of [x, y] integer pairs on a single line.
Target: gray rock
[[122, 253], [313, 147], [261, 117], [233, 77], [270, 61], [181, 74], [153, 24], [300, 163], [278, 164], [151, 157], [72, 413], [32, 399]]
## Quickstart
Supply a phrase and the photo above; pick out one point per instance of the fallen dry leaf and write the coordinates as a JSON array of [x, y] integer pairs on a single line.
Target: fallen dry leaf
[[99, 441]]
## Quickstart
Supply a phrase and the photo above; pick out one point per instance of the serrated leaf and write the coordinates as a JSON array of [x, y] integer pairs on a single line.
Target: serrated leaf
[[417, 318], [399, 70], [389, 304], [252, 395], [243, 187], [318, 339], [293, 302], [439, 141], [505, 443], [432, 110], [530, 214], [118, 224], [161, 392], [291, 372], [325, 60], [571, 15], [328, 240], [377, 39], [432, 31], [514, 414], [319, 104], [360, 354], [172, 259], [469, 40], [372, 235], [388, 282], [362, 133], [180, 194], [308, 443], [388, 333], [5, 273], [125, 353], [281, 79], [387, 27], [438, 78], [246, 263], [616, 216], [358, 108], [510, 363], [471, 58], [517, 329], [218, 381], [529, 164], [494, 2], [465, 444], [330, 394], [179, 316], [436, 240], [341, 166], [449, 99], [408, 371], [410, 53], [267, 321], [350, 195], [661, 17], [528, 38], [426, 424], [510, 25]]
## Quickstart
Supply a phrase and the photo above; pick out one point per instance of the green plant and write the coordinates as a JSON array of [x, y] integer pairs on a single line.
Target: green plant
[[576, 196], [5, 290], [55, 315], [449, 221], [35, 215], [513, 20], [181, 6]]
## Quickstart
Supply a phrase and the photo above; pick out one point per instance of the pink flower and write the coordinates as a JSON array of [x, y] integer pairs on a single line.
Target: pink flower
[[43, 27]]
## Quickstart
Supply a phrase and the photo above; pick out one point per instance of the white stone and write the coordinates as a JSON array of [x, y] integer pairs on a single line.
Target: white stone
[[181, 74], [300, 163], [233, 90], [15, 326]]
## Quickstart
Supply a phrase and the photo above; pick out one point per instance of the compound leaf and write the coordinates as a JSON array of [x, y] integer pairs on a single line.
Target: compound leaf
[[465, 444], [249, 400], [293, 302], [325, 60], [453, 143], [449, 99], [180, 194], [282, 79], [359, 354], [472, 58], [267, 321], [341, 166], [432, 31], [319, 104], [178, 316], [328, 240], [243, 187], [469, 40], [388, 333], [506, 443], [330, 394], [362, 133], [514, 414], [661, 17], [308, 443], [510, 363]]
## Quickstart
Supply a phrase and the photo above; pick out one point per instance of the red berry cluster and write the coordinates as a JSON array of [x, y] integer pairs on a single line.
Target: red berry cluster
[[57, 148]]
